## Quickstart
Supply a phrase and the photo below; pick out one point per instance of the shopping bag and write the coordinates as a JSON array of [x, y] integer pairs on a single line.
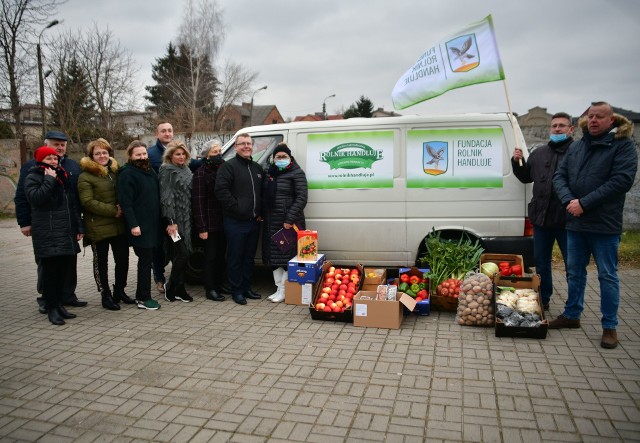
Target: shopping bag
[[286, 239]]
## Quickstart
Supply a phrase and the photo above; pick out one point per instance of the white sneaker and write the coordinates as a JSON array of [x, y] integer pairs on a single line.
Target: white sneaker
[[278, 298]]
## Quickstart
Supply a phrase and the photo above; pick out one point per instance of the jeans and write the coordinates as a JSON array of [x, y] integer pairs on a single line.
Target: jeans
[[604, 248], [145, 257], [242, 244], [120, 252], [213, 266], [543, 240]]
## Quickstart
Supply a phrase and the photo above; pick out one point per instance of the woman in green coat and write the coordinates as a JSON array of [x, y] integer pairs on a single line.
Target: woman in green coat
[[103, 221]]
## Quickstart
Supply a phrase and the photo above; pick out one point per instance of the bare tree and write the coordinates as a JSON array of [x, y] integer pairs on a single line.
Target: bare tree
[[202, 33], [110, 71], [19, 21], [236, 84]]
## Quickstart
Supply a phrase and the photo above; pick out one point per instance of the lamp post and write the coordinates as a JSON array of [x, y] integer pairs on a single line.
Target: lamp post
[[41, 78], [324, 106], [251, 114]]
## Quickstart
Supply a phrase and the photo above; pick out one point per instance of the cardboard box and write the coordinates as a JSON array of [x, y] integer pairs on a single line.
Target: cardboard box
[[529, 282], [371, 283], [512, 259], [297, 294], [305, 271], [308, 245], [386, 314], [347, 314]]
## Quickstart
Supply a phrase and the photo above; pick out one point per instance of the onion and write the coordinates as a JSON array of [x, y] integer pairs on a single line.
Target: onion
[[489, 269]]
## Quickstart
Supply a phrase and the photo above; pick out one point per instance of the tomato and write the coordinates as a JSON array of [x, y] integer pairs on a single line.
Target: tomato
[[404, 278]]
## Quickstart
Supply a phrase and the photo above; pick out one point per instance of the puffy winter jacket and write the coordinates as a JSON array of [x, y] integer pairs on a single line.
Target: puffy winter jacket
[[598, 171], [239, 188], [97, 190], [545, 208], [55, 216], [285, 206]]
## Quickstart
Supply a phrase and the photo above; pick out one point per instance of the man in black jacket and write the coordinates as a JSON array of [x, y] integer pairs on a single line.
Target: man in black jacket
[[239, 189], [591, 182], [546, 213], [58, 141]]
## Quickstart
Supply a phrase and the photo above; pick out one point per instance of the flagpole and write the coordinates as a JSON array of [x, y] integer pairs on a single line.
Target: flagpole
[[512, 118]]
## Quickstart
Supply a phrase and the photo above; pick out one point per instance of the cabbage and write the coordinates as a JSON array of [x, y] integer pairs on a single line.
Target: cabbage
[[489, 269]]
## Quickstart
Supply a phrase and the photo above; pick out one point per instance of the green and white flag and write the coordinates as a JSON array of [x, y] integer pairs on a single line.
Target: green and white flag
[[466, 58]]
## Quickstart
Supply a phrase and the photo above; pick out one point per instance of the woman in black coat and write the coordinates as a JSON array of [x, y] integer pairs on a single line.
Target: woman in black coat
[[284, 199], [56, 228]]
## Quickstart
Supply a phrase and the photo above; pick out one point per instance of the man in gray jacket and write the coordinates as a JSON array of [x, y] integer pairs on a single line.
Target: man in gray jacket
[[591, 183]]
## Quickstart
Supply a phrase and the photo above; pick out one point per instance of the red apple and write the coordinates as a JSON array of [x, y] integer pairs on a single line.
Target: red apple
[[320, 306]]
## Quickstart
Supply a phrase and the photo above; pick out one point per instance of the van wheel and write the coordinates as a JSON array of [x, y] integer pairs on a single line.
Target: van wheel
[[193, 272]]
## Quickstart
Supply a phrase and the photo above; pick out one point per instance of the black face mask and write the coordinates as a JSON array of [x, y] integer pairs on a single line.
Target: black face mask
[[142, 164], [214, 160]]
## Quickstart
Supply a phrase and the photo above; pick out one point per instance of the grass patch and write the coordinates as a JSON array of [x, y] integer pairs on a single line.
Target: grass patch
[[628, 253]]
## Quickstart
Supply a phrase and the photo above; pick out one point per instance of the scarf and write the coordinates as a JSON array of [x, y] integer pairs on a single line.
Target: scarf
[[143, 164], [62, 177]]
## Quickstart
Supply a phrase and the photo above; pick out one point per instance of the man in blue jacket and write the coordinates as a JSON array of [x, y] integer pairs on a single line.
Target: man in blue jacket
[[591, 182], [58, 141]]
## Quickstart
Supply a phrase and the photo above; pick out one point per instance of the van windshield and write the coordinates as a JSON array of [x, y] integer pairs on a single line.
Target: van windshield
[[262, 147]]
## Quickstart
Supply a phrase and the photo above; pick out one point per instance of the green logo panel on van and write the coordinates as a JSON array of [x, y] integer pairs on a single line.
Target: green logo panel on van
[[455, 158], [359, 160]]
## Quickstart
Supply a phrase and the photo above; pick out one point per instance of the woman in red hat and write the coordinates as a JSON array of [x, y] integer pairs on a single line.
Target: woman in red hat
[[56, 228]]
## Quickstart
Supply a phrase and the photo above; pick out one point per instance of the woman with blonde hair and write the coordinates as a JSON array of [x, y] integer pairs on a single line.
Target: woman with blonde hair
[[175, 208], [103, 221]]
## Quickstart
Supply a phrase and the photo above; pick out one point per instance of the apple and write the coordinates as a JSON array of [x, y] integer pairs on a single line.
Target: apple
[[331, 297], [326, 290], [347, 305], [342, 292], [337, 276], [337, 309], [330, 280], [323, 298], [351, 290], [343, 287], [334, 292], [339, 304], [355, 272], [330, 274], [327, 309], [320, 306], [332, 269]]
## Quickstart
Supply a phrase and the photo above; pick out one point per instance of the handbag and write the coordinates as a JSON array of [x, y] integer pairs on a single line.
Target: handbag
[[286, 239]]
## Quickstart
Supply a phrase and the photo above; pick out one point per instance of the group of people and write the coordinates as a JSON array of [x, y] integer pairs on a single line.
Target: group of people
[[154, 203], [579, 189]]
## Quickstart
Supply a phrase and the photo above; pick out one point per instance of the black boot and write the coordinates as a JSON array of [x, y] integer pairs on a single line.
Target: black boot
[[120, 296], [214, 295], [64, 313], [108, 302], [54, 316]]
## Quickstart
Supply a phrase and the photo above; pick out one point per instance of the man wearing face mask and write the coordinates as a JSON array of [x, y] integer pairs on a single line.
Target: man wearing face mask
[[546, 212]]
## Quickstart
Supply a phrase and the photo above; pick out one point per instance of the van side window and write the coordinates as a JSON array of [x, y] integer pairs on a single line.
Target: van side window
[[263, 145]]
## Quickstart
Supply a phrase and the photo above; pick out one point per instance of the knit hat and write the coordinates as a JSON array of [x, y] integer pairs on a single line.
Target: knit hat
[[282, 147], [44, 151]]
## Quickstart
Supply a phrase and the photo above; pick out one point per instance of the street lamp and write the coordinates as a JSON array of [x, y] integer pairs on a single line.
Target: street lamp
[[251, 114], [41, 77], [324, 106]]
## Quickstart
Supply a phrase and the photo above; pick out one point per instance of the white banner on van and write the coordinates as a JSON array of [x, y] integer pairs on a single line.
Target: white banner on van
[[455, 158], [357, 160], [468, 57]]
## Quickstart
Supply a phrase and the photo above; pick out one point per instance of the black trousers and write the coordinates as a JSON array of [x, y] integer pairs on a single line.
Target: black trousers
[[120, 251], [57, 272], [145, 257], [213, 267], [179, 258], [70, 283]]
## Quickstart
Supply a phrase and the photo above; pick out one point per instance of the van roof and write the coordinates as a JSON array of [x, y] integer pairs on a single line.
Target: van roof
[[380, 121]]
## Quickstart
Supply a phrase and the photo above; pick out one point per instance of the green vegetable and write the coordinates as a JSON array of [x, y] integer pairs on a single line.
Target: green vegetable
[[404, 287], [410, 293], [450, 258], [422, 285], [415, 288]]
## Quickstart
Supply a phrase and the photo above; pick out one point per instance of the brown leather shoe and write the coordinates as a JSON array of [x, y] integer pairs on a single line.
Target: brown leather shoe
[[609, 338], [563, 322]]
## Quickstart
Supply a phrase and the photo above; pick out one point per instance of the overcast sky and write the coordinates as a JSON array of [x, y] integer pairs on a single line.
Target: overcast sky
[[560, 55]]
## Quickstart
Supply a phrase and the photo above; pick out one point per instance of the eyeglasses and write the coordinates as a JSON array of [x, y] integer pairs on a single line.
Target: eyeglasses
[[244, 144]]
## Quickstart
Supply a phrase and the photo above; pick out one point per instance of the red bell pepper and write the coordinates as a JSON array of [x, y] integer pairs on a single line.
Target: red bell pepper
[[504, 264], [404, 278], [505, 272], [516, 270], [414, 280], [423, 293]]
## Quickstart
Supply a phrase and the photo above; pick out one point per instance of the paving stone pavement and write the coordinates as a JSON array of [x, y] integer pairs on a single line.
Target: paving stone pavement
[[207, 371]]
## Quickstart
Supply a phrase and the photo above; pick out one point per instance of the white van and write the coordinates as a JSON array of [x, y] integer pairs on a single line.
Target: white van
[[377, 187]]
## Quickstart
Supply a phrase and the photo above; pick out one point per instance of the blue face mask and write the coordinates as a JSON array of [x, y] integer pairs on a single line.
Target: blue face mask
[[282, 163], [558, 138]]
